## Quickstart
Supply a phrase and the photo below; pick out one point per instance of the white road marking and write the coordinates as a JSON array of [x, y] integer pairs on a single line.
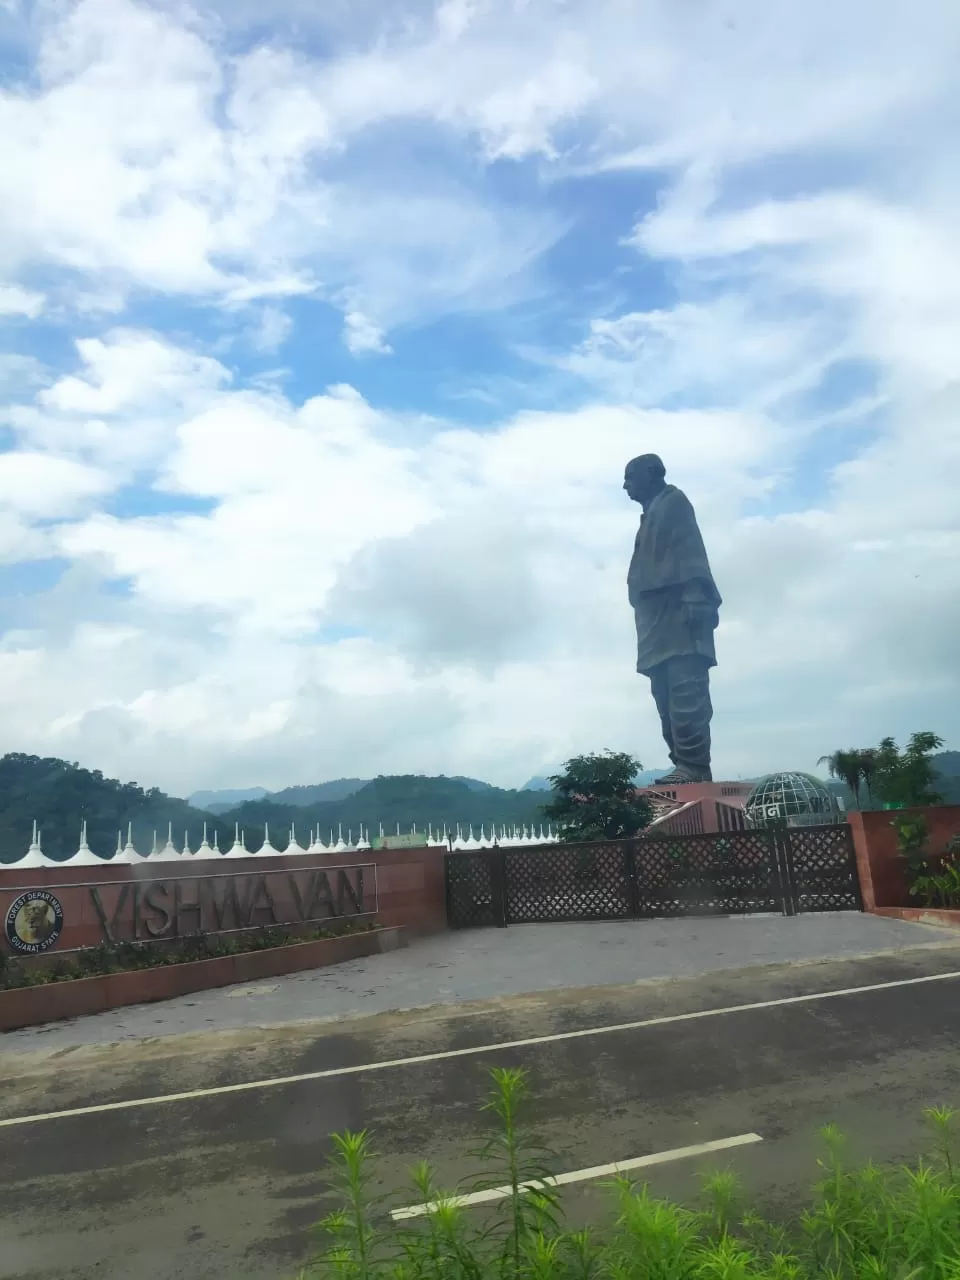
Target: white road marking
[[446, 1055], [584, 1175]]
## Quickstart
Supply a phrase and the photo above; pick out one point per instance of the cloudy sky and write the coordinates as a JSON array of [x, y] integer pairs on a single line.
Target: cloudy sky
[[324, 340]]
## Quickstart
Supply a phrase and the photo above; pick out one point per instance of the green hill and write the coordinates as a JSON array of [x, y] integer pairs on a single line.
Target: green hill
[[60, 795], [407, 799], [315, 793], [218, 801], [948, 775]]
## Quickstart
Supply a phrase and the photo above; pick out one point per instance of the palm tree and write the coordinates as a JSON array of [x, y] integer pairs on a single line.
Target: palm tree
[[868, 769], [848, 767]]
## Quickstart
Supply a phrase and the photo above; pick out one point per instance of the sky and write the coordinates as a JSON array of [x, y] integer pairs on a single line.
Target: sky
[[324, 339]]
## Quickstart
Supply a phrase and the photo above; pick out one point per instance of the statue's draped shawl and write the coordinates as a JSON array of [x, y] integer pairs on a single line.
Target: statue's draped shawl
[[669, 550], [669, 556]]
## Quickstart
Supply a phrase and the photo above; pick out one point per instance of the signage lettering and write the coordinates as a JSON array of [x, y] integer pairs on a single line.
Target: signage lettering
[[108, 925], [228, 910], [267, 905], [184, 911], [152, 898], [224, 903]]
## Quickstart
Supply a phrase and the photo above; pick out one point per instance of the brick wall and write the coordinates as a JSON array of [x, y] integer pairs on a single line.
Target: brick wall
[[882, 878], [400, 887]]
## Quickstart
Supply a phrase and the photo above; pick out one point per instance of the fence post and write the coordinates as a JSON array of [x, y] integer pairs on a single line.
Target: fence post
[[852, 865], [781, 852], [498, 884], [633, 893], [447, 894]]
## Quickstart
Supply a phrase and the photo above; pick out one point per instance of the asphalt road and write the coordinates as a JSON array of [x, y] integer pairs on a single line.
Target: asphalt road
[[227, 1184]]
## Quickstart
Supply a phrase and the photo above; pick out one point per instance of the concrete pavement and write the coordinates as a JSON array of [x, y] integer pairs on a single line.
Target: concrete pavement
[[490, 963], [226, 1184]]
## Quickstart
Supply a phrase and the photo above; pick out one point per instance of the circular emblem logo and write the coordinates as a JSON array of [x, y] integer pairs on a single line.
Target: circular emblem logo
[[34, 922]]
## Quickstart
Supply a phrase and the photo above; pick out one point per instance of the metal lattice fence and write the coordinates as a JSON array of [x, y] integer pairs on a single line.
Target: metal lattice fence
[[568, 882], [725, 873], [736, 873], [821, 868], [474, 889]]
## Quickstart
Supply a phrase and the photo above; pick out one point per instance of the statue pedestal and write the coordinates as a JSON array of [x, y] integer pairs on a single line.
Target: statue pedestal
[[721, 803]]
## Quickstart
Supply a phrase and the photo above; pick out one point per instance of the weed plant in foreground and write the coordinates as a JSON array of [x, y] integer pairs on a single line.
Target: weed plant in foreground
[[865, 1223]]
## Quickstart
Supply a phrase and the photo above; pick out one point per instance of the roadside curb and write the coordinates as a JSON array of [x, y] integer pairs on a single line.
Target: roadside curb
[[937, 917], [79, 997]]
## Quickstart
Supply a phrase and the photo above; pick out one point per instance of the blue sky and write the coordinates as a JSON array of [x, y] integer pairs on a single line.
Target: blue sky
[[323, 343]]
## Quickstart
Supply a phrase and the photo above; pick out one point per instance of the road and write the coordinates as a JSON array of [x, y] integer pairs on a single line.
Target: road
[[226, 1184]]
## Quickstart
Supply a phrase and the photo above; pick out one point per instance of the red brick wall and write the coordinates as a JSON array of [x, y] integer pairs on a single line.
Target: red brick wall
[[412, 888], [881, 869], [409, 884]]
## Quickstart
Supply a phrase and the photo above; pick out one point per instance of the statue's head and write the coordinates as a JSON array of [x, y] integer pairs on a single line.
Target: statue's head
[[643, 477]]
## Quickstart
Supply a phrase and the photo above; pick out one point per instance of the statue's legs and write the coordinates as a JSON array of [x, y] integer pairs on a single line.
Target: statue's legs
[[660, 688], [681, 690]]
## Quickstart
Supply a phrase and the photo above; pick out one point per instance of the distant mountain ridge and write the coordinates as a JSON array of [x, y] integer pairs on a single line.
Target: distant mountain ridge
[[643, 779], [60, 796], [317, 792], [218, 801], [406, 800], [302, 796]]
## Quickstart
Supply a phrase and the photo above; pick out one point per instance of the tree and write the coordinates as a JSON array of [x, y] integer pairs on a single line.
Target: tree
[[857, 766], [846, 766], [868, 768], [906, 778], [595, 798]]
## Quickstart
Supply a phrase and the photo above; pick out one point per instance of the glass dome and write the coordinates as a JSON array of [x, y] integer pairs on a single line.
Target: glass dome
[[798, 799]]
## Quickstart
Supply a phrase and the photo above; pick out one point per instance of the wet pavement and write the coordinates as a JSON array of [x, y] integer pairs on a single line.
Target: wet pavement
[[225, 1179], [489, 963]]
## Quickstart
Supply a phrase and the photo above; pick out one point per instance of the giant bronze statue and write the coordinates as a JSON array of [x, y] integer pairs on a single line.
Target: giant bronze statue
[[675, 603]]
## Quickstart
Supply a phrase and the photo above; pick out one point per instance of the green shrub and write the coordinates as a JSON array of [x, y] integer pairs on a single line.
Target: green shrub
[[863, 1223], [913, 836], [933, 879], [91, 962]]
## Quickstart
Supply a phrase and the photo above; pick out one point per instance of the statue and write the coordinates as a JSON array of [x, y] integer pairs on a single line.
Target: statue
[[675, 604]]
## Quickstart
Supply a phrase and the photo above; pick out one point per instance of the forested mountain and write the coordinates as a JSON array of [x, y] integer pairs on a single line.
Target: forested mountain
[[300, 796], [317, 793], [645, 778], [405, 799], [948, 775], [220, 801], [60, 795]]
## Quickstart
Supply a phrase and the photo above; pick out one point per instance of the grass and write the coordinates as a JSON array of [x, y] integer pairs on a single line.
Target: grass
[[92, 962], [862, 1223]]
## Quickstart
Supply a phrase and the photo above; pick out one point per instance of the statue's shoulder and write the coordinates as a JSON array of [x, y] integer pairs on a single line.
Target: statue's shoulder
[[676, 498]]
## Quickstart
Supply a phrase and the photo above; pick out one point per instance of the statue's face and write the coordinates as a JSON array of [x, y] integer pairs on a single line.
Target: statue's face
[[641, 481]]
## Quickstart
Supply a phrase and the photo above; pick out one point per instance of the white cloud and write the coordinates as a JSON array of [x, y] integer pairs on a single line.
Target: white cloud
[[727, 350], [271, 330], [35, 484], [363, 336], [143, 158], [120, 409], [486, 568], [15, 301], [360, 590]]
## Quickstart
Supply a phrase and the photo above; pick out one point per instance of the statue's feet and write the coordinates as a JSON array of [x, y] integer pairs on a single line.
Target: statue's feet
[[677, 777]]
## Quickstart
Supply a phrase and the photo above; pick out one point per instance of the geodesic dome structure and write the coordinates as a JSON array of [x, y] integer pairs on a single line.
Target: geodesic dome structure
[[797, 799]]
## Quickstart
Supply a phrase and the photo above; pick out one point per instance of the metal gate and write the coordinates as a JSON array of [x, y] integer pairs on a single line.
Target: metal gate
[[726, 873]]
